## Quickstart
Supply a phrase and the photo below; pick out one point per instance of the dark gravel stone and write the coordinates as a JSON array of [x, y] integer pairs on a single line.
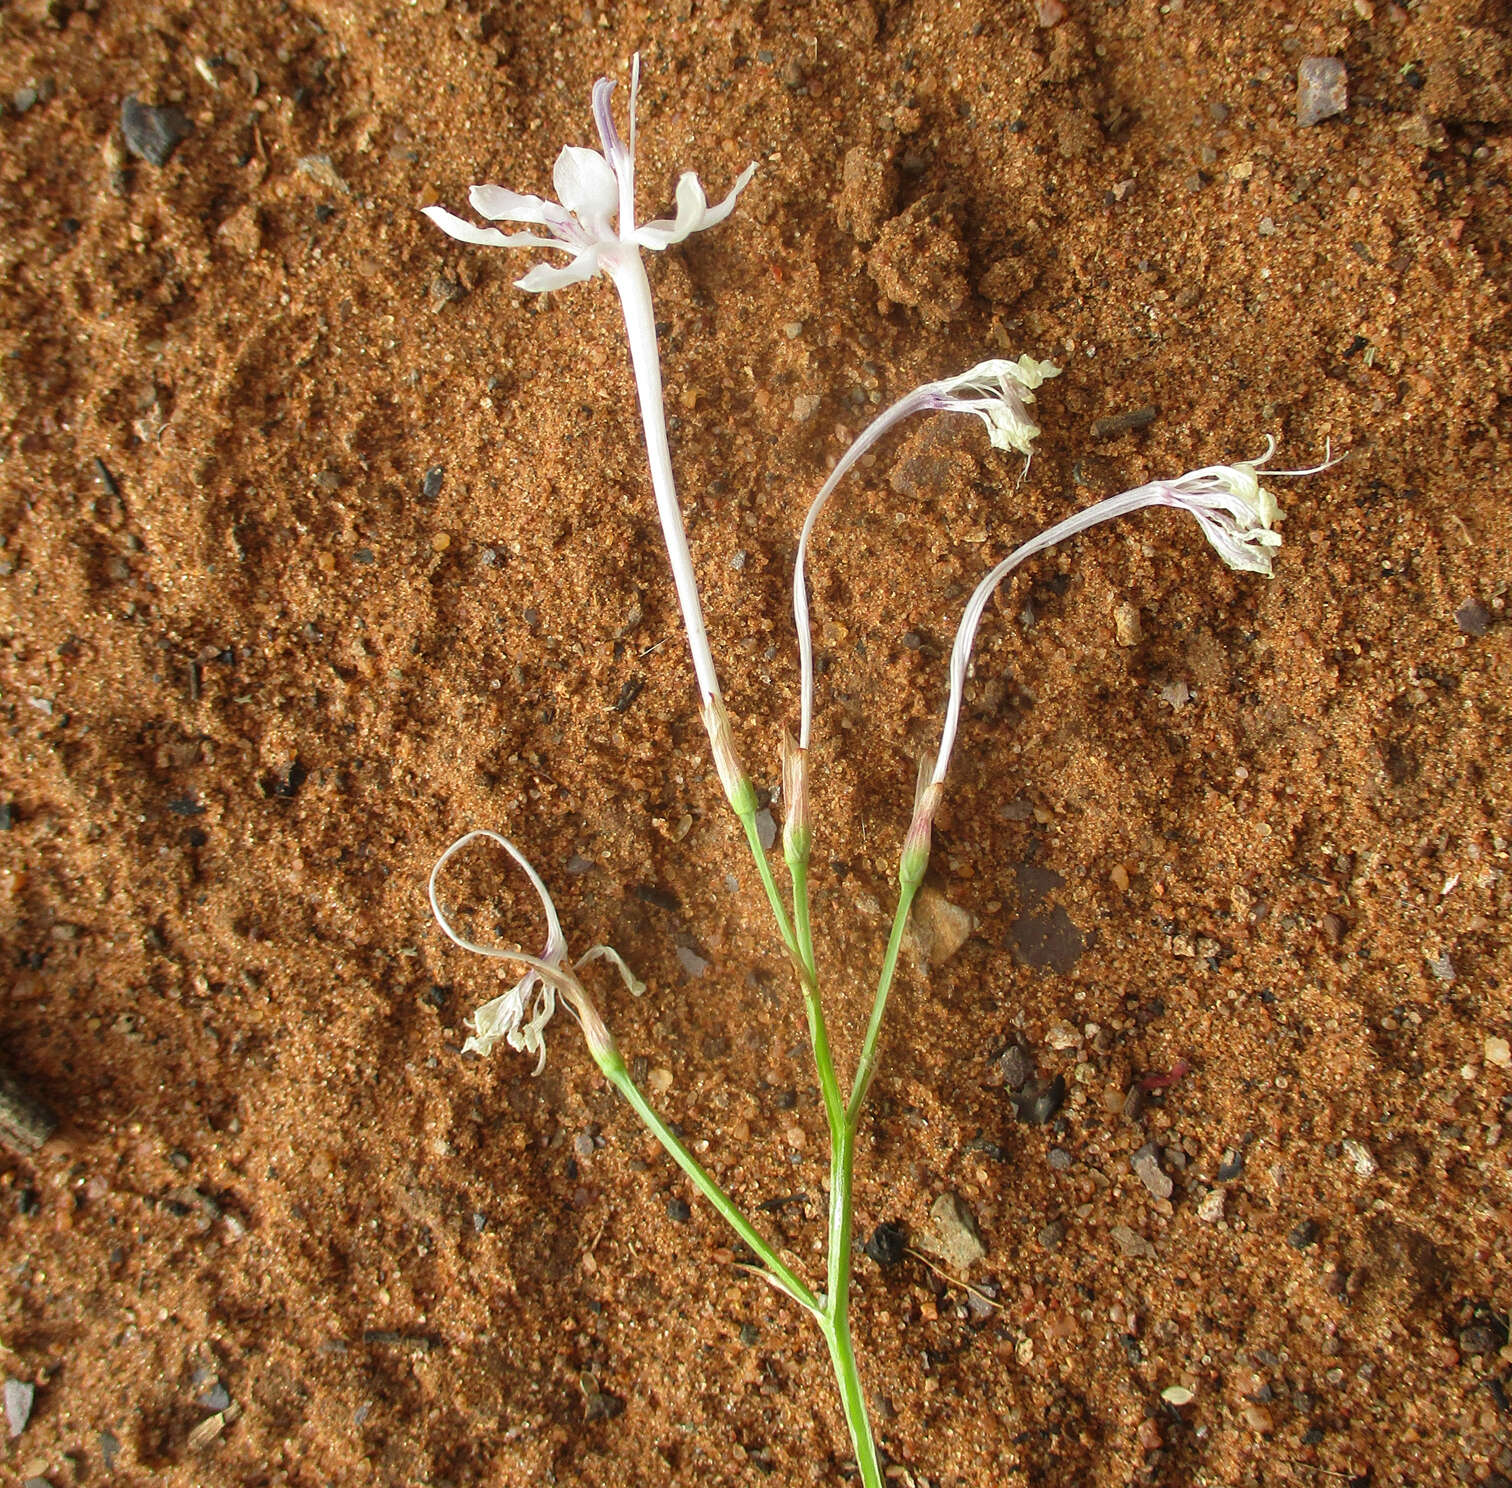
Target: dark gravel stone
[[430, 486], [749, 1333], [887, 1244], [678, 1211], [1039, 1100], [1017, 1065], [1480, 1338], [153, 134], [1231, 1166], [7, 815], [1473, 618], [601, 1406], [1303, 1235], [285, 785]]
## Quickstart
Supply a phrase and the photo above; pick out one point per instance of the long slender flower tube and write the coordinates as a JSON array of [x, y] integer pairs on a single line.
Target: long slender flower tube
[[593, 221], [1238, 516], [998, 392], [520, 1015]]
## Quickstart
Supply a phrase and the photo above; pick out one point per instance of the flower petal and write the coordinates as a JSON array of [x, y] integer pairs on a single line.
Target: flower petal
[[548, 276], [502, 205], [693, 212], [585, 184], [457, 227]]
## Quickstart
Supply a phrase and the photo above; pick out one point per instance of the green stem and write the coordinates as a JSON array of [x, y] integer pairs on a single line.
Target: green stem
[[866, 1067], [613, 1065], [764, 869], [836, 1331], [798, 871]]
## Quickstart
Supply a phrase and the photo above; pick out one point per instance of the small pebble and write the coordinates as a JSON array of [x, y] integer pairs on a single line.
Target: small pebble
[[1017, 1066], [887, 1244], [1059, 1159], [1473, 618], [582, 1146], [660, 1080], [216, 1398], [1359, 1157], [153, 134], [1112, 425], [430, 486], [1498, 1052], [691, 962], [678, 1211], [1127, 629], [955, 1238], [19, 1395], [1322, 89], [1146, 1165], [1257, 1418], [1132, 1244], [1039, 1100], [1210, 1209], [1052, 1236], [1118, 876], [766, 829], [1442, 968]]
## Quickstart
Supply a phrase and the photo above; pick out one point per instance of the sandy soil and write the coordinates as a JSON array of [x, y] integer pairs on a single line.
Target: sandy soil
[[257, 670]]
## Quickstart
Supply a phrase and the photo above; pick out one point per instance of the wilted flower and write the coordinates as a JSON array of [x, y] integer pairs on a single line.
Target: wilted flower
[[1236, 513], [996, 391], [520, 1015], [999, 393]]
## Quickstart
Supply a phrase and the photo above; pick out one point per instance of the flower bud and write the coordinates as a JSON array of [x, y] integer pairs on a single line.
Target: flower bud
[[915, 856], [737, 784]]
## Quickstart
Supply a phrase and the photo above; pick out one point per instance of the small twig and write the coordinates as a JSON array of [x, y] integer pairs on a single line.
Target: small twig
[[965, 1286]]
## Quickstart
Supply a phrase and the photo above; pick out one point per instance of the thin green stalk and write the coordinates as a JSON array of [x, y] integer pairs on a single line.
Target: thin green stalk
[[836, 1332], [764, 869], [803, 962], [798, 871], [613, 1065], [866, 1066]]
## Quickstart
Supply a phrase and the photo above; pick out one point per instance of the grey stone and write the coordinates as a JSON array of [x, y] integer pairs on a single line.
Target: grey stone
[[153, 134], [1473, 618], [954, 1237], [1322, 89], [19, 1395], [1146, 1165]]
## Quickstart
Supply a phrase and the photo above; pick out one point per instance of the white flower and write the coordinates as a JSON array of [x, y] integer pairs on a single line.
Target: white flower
[[520, 1015], [998, 392], [593, 217], [594, 221]]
